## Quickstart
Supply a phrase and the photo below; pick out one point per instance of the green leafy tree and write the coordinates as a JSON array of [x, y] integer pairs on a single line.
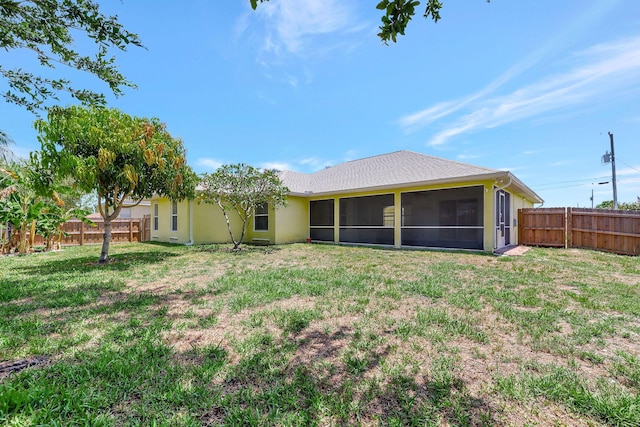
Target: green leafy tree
[[119, 156], [48, 29], [240, 188], [396, 15], [5, 151], [50, 223], [20, 203], [624, 206]]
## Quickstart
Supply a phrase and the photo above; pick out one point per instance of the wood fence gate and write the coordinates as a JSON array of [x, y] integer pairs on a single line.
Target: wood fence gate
[[600, 229]]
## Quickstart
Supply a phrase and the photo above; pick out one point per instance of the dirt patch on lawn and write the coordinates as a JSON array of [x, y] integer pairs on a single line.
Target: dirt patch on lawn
[[512, 250]]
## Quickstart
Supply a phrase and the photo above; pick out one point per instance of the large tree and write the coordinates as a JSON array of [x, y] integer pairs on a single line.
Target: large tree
[[396, 15], [119, 156], [52, 30], [241, 188]]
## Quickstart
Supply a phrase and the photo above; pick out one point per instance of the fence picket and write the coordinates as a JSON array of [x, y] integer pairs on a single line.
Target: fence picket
[[123, 230], [605, 230]]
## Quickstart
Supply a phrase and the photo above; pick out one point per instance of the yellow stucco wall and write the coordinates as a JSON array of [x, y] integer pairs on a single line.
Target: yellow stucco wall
[[259, 236], [292, 221], [164, 232], [210, 226], [517, 202]]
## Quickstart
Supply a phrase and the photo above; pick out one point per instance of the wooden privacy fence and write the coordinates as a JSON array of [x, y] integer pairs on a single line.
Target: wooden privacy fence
[[600, 229], [122, 230]]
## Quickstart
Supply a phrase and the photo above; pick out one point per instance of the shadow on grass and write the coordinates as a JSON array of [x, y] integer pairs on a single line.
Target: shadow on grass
[[386, 248], [134, 378], [245, 249], [314, 379], [85, 264]]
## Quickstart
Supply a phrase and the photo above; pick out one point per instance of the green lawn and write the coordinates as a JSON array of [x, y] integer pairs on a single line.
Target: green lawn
[[319, 335]]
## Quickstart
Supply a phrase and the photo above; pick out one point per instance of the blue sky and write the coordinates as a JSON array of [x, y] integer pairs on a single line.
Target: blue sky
[[527, 86]]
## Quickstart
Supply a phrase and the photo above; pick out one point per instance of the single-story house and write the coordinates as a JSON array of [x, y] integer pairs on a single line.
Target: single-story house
[[400, 199]]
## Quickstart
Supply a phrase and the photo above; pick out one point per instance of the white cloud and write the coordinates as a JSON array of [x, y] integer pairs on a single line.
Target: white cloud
[[314, 163], [290, 22], [351, 155], [468, 156], [294, 26], [281, 166], [631, 170], [291, 80], [600, 72], [207, 162], [554, 44]]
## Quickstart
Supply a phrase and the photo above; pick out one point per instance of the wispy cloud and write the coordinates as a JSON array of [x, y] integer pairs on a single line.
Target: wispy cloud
[[281, 166], [600, 71], [631, 170], [466, 157], [314, 163], [560, 163], [294, 28], [292, 25], [209, 163]]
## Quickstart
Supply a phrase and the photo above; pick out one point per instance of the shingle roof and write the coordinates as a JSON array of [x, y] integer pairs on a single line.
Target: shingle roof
[[396, 170], [399, 168]]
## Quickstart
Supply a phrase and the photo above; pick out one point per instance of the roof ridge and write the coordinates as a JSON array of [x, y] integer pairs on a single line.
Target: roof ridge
[[361, 159], [454, 161]]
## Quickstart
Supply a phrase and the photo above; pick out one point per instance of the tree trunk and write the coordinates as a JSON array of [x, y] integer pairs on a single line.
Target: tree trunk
[[106, 239], [103, 208], [244, 228], [23, 242], [32, 235], [226, 218]]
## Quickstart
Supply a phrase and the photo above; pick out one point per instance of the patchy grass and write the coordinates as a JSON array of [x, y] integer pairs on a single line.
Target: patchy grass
[[319, 335]]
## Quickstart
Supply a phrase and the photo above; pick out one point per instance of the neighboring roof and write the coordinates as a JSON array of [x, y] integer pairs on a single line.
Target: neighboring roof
[[393, 170]]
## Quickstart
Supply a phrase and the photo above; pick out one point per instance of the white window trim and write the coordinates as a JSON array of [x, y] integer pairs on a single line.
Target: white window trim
[[156, 219], [174, 203], [255, 217]]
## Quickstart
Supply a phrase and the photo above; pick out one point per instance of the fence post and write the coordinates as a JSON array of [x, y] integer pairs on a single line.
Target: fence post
[[569, 228], [519, 226], [81, 233], [130, 230]]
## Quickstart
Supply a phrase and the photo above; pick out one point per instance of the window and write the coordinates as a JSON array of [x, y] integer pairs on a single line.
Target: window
[[261, 217], [155, 217], [321, 220], [174, 216], [367, 219], [448, 218]]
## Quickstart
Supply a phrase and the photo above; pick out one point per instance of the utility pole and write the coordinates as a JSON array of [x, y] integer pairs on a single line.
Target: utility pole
[[613, 174]]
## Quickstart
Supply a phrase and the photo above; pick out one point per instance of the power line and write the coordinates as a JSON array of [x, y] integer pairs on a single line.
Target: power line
[[565, 186], [628, 165], [567, 182]]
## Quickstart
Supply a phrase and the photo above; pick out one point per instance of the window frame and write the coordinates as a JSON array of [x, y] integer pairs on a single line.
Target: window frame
[[155, 217], [259, 214], [452, 218], [174, 216], [363, 220], [321, 226]]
